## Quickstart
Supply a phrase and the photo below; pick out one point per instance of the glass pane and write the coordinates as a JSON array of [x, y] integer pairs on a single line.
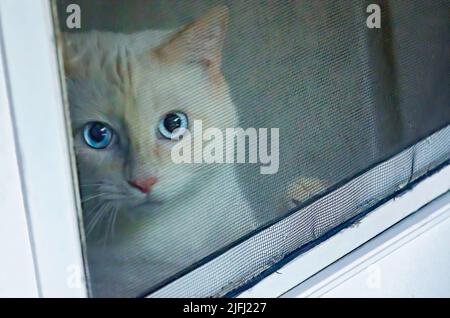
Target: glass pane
[[197, 123]]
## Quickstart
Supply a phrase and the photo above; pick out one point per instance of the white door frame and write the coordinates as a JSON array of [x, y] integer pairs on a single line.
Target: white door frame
[[42, 143]]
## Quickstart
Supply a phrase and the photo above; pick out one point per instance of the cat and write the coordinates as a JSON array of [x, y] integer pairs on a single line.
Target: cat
[[158, 217], [145, 217]]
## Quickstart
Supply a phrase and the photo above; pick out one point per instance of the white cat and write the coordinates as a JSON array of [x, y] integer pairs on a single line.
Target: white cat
[[127, 93], [145, 217]]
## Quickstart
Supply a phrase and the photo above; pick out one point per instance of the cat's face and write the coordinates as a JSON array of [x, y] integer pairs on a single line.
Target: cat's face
[[124, 96]]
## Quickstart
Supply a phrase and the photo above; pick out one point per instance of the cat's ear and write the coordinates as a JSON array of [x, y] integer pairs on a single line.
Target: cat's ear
[[67, 53], [73, 49], [200, 41]]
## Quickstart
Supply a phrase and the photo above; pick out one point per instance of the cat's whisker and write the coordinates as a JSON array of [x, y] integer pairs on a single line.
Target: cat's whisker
[[116, 212], [92, 223], [110, 225], [92, 210], [98, 195]]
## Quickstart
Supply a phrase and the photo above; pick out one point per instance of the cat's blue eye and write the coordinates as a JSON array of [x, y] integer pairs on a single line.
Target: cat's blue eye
[[97, 135], [173, 121]]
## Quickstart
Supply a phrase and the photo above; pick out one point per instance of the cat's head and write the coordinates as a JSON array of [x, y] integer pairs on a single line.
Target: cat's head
[[127, 91]]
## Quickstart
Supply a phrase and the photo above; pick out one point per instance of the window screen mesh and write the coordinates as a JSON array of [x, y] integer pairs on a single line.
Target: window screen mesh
[[354, 108], [304, 228]]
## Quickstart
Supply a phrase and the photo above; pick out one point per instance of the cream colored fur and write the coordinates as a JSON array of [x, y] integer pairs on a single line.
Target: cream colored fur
[[135, 240]]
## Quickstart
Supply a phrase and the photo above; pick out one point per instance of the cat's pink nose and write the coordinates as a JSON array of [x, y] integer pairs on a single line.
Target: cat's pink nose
[[144, 185]]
